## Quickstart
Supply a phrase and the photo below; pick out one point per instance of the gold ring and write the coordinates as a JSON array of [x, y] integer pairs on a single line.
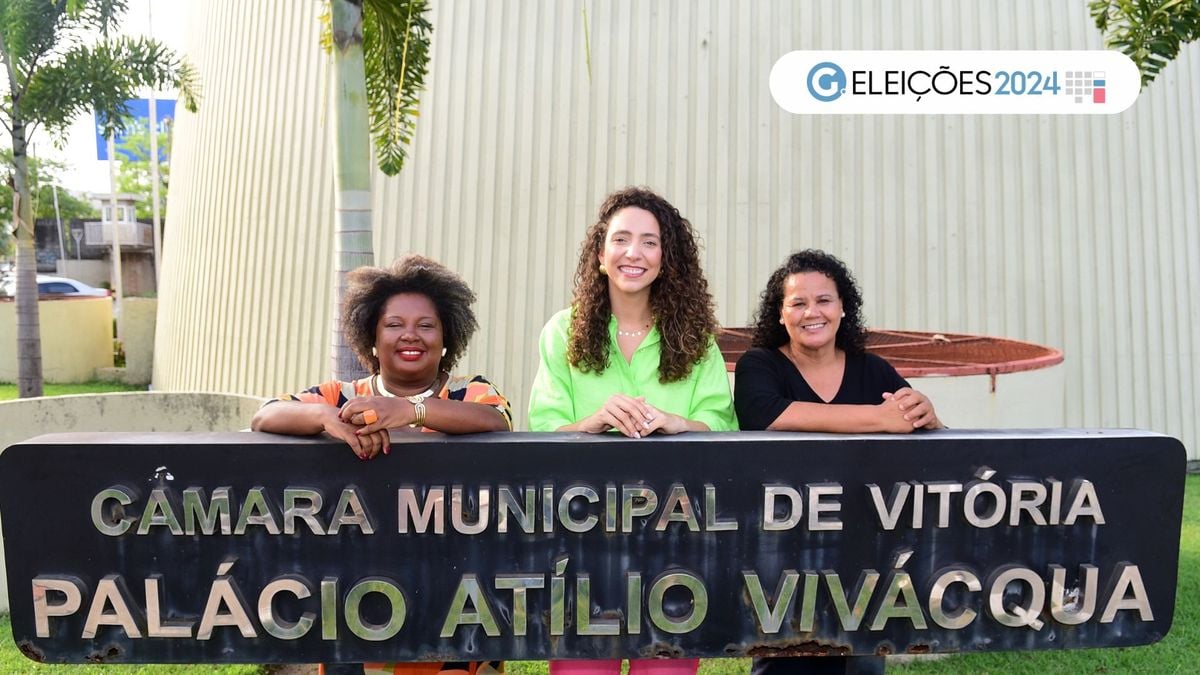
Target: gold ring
[[370, 416]]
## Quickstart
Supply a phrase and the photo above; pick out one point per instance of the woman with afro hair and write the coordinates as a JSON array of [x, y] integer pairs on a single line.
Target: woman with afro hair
[[409, 325]]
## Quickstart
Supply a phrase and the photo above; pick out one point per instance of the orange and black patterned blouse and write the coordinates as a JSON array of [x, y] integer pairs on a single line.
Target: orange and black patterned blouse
[[473, 389]]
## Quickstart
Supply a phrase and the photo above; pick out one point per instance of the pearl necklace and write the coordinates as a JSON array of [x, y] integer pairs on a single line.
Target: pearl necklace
[[421, 396], [632, 333]]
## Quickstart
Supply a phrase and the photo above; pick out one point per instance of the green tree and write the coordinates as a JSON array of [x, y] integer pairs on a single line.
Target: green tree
[[70, 207], [380, 53], [55, 70], [43, 175], [133, 175], [1150, 32]]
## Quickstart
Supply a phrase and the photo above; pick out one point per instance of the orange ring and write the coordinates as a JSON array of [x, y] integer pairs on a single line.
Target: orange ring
[[370, 416]]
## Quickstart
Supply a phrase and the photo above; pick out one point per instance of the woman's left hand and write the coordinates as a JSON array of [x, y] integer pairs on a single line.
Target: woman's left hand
[[389, 413], [917, 408]]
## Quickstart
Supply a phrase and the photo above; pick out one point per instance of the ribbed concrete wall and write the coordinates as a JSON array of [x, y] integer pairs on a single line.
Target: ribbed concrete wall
[[1078, 232]]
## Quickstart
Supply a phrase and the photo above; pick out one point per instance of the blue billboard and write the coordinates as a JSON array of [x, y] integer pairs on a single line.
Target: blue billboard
[[140, 109]]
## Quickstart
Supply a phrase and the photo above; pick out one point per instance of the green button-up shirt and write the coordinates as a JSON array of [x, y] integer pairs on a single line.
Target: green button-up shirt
[[562, 394]]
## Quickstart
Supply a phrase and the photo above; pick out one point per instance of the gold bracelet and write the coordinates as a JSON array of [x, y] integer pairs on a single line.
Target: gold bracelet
[[419, 409]]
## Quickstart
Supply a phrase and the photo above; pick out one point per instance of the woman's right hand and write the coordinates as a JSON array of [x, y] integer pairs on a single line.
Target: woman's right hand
[[890, 416], [628, 415], [917, 408], [366, 446]]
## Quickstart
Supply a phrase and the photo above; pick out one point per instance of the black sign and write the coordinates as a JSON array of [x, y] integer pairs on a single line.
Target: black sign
[[261, 548]]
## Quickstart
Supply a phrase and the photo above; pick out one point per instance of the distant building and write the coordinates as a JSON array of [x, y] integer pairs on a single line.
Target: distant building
[[84, 251]]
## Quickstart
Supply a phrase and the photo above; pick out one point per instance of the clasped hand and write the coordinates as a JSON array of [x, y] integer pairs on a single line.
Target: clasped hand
[[633, 417], [908, 409], [368, 440]]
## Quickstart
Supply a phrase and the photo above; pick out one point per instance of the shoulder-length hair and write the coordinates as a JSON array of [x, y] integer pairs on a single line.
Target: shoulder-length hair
[[679, 298], [769, 333]]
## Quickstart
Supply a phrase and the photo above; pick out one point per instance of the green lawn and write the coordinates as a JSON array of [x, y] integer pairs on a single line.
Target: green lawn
[[12, 661], [8, 390], [1177, 653]]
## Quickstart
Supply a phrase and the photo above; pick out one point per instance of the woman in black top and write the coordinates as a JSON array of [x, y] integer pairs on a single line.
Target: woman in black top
[[809, 371]]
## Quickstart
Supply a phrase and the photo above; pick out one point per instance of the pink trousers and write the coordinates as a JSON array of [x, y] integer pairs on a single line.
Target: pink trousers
[[636, 667]]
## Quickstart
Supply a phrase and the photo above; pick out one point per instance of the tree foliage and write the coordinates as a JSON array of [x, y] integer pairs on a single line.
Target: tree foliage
[[57, 75], [396, 42], [133, 175], [43, 175], [1149, 32]]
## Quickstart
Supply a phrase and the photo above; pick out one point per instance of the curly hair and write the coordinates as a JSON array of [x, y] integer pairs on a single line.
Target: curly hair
[[369, 288], [679, 298], [851, 335]]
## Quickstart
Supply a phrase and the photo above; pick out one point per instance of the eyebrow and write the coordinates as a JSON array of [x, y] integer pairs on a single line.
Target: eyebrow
[[397, 316], [645, 234]]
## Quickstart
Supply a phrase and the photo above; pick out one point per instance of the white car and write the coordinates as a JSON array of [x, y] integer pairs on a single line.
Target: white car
[[51, 285]]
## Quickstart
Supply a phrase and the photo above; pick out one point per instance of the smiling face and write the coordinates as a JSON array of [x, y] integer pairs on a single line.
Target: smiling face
[[408, 339], [632, 250], [812, 311]]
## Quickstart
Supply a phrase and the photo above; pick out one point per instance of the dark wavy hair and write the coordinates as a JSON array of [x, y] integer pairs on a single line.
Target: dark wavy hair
[[369, 288], [769, 333], [679, 297]]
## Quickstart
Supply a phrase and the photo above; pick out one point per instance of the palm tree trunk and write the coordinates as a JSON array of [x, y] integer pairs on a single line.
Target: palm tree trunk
[[29, 336], [352, 165]]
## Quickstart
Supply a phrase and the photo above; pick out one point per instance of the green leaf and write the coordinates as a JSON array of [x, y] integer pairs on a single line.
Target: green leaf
[[396, 43], [1150, 32]]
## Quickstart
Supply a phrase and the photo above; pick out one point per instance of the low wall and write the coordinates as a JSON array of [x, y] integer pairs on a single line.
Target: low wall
[[77, 336], [126, 411], [1030, 399], [139, 315], [91, 272]]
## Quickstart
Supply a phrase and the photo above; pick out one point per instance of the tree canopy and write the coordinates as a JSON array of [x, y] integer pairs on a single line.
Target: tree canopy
[[1150, 32], [43, 175]]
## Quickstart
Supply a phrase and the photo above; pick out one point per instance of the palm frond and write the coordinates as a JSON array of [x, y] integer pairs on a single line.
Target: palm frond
[[396, 43], [101, 16], [1149, 32], [103, 77], [29, 30], [189, 86]]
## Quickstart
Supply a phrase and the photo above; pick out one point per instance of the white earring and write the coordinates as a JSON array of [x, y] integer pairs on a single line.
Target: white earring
[[443, 351], [374, 351], [843, 315]]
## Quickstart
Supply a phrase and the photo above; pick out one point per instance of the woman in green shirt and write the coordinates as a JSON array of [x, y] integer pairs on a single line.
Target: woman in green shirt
[[635, 351]]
